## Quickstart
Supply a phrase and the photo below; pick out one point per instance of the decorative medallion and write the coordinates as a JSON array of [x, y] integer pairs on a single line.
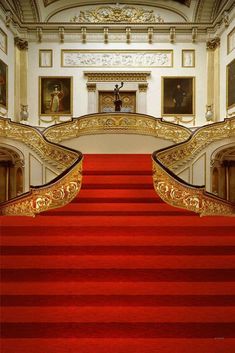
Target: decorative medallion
[[120, 14]]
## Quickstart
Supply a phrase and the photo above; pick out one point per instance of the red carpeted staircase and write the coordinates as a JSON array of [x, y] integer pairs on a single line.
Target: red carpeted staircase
[[118, 271]]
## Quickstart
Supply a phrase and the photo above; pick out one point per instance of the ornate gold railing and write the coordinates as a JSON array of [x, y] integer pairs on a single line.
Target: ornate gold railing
[[56, 193], [117, 123], [174, 190]]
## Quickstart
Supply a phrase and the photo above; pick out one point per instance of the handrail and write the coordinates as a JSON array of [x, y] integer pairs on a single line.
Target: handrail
[[171, 188], [177, 192], [129, 123], [57, 192]]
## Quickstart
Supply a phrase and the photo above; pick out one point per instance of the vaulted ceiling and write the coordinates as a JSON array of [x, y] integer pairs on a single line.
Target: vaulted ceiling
[[34, 11]]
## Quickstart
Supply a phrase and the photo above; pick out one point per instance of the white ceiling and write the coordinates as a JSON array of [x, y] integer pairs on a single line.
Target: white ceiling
[[200, 11]]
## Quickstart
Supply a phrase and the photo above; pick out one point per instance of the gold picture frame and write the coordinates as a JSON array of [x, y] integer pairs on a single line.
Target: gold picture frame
[[230, 84], [55, 95], [119, 58], [231, 41], [45, 58], [178, 96], [188, 58], [4, 85], [3, 41]]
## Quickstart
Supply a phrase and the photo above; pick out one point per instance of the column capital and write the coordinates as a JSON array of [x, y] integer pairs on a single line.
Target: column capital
[[212, 44], [20, 43], [91, 87]]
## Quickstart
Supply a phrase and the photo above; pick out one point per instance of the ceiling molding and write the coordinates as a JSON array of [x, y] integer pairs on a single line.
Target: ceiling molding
[[183, 2], [160, 6]]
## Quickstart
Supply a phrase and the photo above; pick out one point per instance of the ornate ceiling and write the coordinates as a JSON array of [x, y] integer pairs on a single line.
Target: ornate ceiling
[[199, 11]]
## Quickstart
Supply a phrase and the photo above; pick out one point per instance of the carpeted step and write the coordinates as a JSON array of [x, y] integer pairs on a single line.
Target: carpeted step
[[118, 270]]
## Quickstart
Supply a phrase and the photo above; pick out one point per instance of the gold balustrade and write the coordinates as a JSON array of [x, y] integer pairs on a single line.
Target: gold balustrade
[[56, 193], [174, 190], [122, 123]]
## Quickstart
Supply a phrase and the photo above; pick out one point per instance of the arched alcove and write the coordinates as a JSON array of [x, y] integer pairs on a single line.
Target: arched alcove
[[223, 172], [11, 172]]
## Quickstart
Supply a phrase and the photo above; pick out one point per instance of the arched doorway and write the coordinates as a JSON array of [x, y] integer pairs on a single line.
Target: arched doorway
[[11, 172], [223, 172]]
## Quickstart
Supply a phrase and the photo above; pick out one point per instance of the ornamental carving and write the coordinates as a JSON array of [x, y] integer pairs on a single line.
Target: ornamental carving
[[117, 14], [20, 43], [186, 196], [213, 43], [56, 155], [117, 58], [44, 198], [117, 123], [55, 194], [113, 76], [181, 195]]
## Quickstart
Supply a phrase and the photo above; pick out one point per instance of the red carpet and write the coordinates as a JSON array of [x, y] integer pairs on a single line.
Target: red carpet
[[118, 271]]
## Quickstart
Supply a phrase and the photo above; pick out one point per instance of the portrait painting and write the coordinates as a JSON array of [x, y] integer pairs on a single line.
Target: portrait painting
[[178, 96], [3, 85], [45, 58], [3, 41], [55, 95], [188, 58], [231, 85]]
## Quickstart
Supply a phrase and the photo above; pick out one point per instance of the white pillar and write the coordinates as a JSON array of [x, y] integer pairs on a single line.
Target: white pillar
[[92, 101]]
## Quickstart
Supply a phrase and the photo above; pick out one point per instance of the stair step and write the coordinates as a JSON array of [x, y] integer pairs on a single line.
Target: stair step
[[177, 220], [117, 261], [118, 345], [118, 193], [74, 237], [96, 180], [118, 330], [60, 311], [118, 250], [118, 275], [118, 288], [208, 233]]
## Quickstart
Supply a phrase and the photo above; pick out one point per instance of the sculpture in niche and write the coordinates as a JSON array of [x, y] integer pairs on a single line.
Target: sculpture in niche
[[117, 98], [109, 14]]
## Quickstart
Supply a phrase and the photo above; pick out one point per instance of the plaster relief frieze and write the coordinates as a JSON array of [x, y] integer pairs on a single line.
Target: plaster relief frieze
[[117, 14], [131, 58]]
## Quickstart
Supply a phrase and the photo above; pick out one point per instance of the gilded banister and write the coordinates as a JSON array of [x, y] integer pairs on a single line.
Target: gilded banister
[[56, 193], [174, 190], [122, 123]]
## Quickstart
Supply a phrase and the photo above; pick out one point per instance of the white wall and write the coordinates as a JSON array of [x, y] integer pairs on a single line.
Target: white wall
[[225, 59], [116, 143], [9, 59], [198, 170], [80, 94]]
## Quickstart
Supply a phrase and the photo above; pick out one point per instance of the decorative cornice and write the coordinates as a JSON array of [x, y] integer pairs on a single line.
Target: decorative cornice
[[114, 76]]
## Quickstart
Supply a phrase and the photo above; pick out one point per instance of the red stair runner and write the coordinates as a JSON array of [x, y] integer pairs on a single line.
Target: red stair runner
[[118, 271]]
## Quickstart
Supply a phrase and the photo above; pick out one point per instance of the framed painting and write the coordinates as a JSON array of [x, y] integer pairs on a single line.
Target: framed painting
[[45, 58], [231, 41], [230, 85], [3, 85], [3, 41], [188, 58], [55, 95], [178, 96]]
